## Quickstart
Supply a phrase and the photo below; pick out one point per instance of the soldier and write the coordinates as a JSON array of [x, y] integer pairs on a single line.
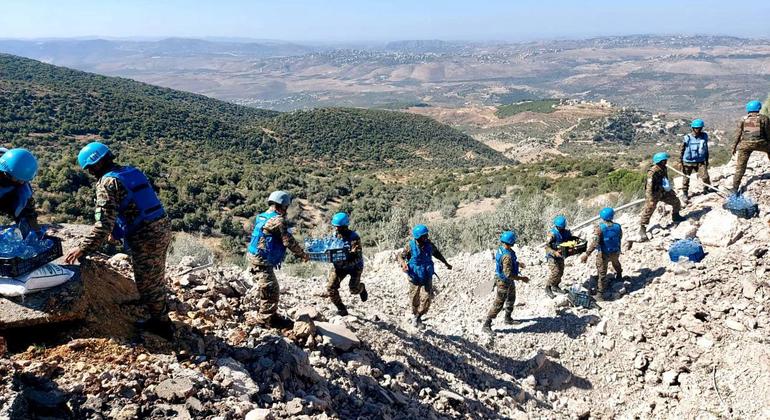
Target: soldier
[[267, 250], [17, 168], [416, 260], [658, 188], [694, 157], [506, 270], [128, 209], [607, 237], [753, 135], [353, 266], [558, 235]]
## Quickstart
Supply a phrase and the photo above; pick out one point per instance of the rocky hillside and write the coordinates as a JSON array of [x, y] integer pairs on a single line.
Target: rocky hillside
[[678, 340]]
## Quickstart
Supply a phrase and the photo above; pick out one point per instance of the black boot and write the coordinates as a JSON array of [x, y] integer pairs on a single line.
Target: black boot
[[549, 292], [162, 327], [677, 218], [487, 327], [558, 290], [364, 295], [509, 320], [281, 322], [341, 309]]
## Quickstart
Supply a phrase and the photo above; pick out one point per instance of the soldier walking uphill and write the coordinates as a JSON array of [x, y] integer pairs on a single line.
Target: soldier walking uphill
[[353, 266], [416, 260], [694, 157], [558, 235], [607, 237], [753, 135], [267, 250], [658, 188], [17, 168], [128, 209], [506, 271]]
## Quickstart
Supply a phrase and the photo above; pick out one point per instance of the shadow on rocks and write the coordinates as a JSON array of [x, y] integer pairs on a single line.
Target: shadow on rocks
[[568, 323]]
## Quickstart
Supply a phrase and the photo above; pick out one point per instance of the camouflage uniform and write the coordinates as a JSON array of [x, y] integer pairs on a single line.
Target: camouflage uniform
[[148, 246], [753, 135], [555, 263], [603, 260], [420, 295], [268, 290], [506, 290], [654, 193], [688, 168], [352, 267]]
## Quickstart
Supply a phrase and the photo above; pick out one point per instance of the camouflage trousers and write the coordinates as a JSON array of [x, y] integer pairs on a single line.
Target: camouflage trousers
[[506, 296], [267, 290], [703, 174], [555, 271], [335, 278], [668, 197], [148, 248], [421, 296], [745, 148], [602, 261]]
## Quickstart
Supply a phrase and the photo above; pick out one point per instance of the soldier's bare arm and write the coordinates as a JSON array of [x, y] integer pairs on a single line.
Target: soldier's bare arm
[[404, 256], [437, 255]]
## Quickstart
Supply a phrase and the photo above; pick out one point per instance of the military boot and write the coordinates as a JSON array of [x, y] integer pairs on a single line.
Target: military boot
[[677, 218], [643, 234], [558, 290], [364, 295], [685, 198], [508, 319], [487, 327], [341, 309], [549, 292]]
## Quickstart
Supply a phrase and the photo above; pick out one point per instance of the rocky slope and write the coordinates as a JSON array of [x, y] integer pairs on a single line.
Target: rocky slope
[[678, 340]]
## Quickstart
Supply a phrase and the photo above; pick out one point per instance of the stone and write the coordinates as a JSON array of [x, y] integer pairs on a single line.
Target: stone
[[601, 327], [670, 377], [451, 395], [705, 341], [749, 288], [608, 344], [3, 346], [340, 336], [174, 389], [294, 407], [734, 325], [310, 311], [194, 404], [685, 230], [127, 412], [692, 324], [259, 414], [241, 384], [720, 228]]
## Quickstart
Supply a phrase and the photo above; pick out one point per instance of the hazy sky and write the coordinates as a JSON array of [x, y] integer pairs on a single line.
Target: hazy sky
[[349, 20]]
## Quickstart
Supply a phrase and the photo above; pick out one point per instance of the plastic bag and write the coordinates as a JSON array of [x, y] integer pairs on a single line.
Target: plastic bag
[[45, 277], [741, 206], [687, 250]]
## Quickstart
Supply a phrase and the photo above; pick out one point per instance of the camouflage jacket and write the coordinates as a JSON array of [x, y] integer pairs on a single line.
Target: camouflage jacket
[[752, 127], [654, 186], [507, 263], [551, 246], [278, 226], [109, 194]]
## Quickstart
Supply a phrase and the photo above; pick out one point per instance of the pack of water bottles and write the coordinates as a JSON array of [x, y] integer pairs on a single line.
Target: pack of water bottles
[[20, 255], [741, 206], [327, 249], [686, 249]]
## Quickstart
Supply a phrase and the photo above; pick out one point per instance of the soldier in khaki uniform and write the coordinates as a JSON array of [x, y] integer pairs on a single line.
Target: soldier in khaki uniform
[[128, 209], [506, 271], [607, 238], [753, 135], [694, 157], [267, 250], [352, 267], [416, 261], [558, 235], [658, 188]]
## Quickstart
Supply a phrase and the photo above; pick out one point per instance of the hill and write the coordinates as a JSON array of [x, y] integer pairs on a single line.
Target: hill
[[201, 151]]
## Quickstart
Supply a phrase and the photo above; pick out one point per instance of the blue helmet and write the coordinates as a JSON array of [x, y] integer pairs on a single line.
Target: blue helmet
[[753, 106], [697, 123], [560, 222], [340, 219], [92, 153], [607, 213], [19, 164], [419, 231], [508, 237], [660, 157]]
